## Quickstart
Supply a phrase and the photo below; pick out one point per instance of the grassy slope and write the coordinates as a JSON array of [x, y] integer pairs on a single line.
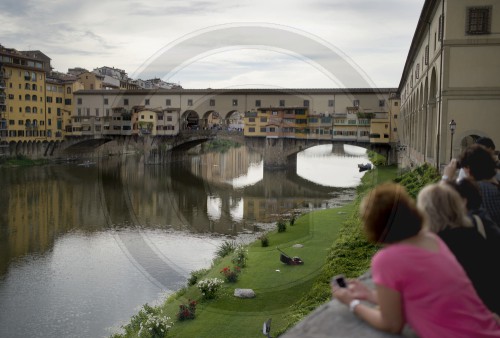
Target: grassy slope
[[276, 290], [293, 292]]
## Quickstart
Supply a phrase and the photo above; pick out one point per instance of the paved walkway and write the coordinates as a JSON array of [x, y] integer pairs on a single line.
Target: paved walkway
[[334, 319]]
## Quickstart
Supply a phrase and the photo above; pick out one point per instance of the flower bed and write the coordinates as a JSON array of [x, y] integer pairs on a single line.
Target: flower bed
[[209, 287]]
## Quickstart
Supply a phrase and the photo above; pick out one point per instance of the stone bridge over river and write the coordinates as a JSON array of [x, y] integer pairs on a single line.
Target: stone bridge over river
[[278, 153]]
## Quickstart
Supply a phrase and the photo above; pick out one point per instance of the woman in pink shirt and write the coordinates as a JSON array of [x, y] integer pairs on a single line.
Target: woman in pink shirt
[[418, 280]]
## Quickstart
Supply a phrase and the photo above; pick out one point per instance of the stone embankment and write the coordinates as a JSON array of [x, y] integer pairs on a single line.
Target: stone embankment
[[334, 320]]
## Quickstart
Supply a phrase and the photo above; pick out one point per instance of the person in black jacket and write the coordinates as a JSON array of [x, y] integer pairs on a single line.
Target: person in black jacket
[[447, 216]]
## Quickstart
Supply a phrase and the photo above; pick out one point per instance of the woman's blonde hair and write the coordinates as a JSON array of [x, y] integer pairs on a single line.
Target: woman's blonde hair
[[443, 207]]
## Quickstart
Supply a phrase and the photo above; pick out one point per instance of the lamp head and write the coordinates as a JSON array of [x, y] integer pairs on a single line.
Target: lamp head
[[453, 126]]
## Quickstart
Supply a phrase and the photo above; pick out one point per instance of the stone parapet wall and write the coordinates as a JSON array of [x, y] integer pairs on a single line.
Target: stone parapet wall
[[334, 320]]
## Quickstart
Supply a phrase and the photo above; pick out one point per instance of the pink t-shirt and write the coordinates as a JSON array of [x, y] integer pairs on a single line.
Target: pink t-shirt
[[438, 298]]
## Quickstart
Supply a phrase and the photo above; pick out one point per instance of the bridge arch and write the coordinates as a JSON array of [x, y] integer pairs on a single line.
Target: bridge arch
[[210, 119], [234, 120], [190, 120]]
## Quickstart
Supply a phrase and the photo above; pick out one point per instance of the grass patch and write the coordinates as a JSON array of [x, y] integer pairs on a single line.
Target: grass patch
[[20, 161]]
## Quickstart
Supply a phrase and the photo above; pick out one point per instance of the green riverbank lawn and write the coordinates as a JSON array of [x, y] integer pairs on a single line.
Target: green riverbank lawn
[[277, 285], [284, 293]]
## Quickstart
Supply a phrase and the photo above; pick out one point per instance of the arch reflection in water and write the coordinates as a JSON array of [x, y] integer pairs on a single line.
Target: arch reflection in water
[[332, 165]]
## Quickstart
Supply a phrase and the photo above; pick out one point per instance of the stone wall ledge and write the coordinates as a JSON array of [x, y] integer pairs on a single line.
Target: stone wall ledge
[[334, 319]]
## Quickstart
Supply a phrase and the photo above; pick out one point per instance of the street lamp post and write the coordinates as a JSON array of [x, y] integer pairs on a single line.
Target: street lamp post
[[453, 126]]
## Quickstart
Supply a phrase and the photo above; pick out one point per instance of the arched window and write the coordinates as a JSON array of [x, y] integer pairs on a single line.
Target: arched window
[[27, 97], [27, 109], [28, 123], [35, 123], [68, 90], [34, 98], [33, 86], [34, 110]]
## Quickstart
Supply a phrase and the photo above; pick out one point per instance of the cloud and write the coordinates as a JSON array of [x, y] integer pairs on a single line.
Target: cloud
[[125, 34], [15, 7], [174, 8]]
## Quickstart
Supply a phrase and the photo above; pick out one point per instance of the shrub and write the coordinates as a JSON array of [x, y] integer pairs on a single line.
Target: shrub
[[187, 311], [281, 225], [225, 249], [209, 287], [148, 323], [240, 256], [264, 240], [196, 275], [231, 276], [292, 220]]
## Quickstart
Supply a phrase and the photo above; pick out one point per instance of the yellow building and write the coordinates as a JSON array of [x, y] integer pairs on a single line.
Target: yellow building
[[277, 122], [91, 81], [59, 104], [23, 113]]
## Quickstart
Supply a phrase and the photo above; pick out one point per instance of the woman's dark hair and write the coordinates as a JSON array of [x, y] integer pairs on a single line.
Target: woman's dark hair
[[480, 162], [390, 214], [468, 189], [487, 142]]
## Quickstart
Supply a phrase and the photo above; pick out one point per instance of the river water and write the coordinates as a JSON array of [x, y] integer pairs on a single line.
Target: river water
[[84, 245]]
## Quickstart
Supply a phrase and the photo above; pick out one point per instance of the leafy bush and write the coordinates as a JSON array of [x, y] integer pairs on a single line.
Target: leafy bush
[[226, 248], [150, 322], [264, 240], [231, 275], [377, 159], [196, 275], [281, 225], [209, 287], [240, 256], [187, 311], [418, 178]]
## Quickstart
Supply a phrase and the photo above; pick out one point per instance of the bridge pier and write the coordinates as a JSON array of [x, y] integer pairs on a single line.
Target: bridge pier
[[275, 154]]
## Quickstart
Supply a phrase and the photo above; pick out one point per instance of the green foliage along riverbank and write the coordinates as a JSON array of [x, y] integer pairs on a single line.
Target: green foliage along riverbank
[[20, 160], [284, 293]]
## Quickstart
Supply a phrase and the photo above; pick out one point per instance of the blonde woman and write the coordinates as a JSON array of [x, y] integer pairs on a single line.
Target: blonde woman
[[446, 211], [418, 280]]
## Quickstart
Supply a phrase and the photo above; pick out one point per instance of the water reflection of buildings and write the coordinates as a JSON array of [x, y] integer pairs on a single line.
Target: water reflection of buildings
[[39, 204]]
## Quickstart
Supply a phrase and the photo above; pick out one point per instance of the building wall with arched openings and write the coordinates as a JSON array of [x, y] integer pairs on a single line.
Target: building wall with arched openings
[[452, 72]]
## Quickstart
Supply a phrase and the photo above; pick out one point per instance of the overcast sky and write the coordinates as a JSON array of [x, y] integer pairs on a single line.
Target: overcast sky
[[372, 36]]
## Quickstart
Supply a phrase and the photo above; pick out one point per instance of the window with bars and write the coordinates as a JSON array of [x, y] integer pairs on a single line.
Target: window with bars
[[441, 28], [478, 20]]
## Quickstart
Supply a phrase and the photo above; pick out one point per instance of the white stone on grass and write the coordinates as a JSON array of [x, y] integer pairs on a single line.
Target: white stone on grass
[[244, 293]]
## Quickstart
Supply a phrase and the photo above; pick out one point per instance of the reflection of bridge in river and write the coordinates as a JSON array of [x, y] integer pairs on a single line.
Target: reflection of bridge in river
[[179, 198], [40, 204]]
